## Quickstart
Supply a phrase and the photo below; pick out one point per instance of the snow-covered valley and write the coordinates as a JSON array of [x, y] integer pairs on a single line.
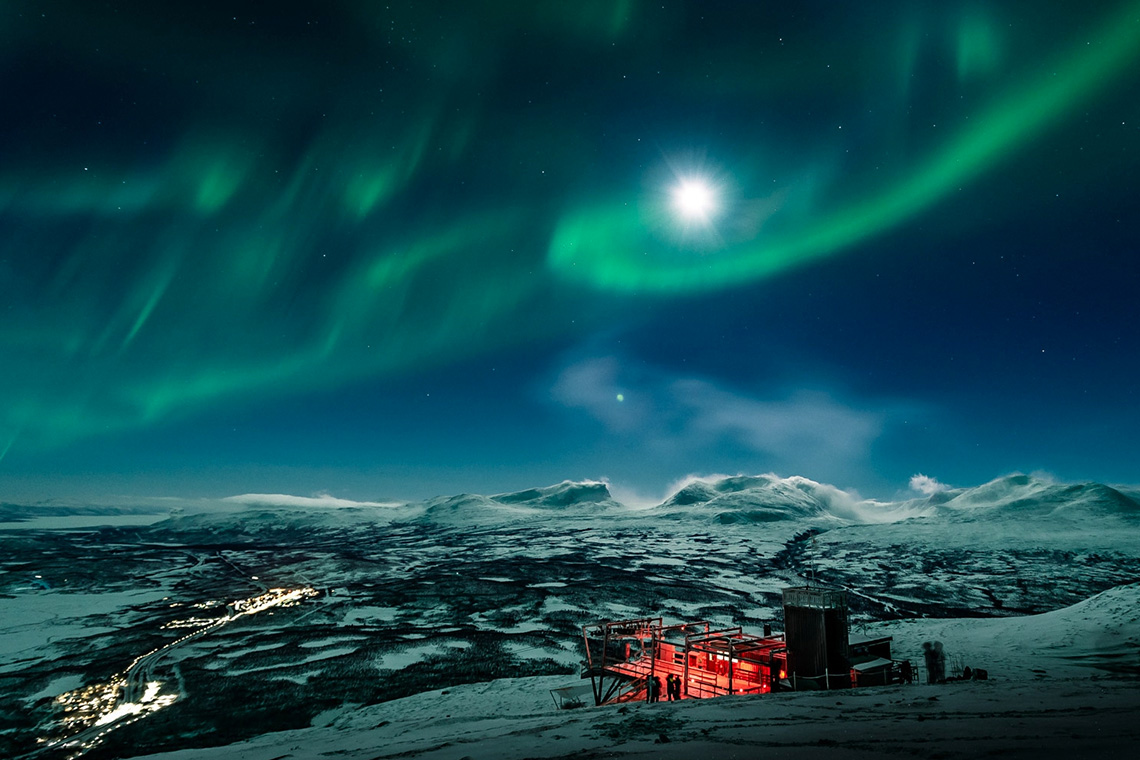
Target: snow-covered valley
[[453, 593]]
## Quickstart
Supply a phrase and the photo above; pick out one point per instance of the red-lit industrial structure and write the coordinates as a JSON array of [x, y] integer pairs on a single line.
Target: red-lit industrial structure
[[816, 651]]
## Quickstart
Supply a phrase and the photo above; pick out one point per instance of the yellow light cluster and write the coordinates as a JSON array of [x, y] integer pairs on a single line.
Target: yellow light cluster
[[100, 704]]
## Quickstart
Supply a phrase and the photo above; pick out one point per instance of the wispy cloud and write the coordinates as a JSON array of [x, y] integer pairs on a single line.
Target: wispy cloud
[[804, 421], [673, 414], [620, 403], [320, 501]]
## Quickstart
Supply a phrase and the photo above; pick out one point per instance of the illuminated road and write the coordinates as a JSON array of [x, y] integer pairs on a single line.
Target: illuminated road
[[135, 693]]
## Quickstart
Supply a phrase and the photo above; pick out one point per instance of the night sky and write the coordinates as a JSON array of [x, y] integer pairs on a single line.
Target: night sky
[[397, 249]]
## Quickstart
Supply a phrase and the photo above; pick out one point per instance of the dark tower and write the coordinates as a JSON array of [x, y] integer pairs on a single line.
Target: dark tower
[[815, 631]]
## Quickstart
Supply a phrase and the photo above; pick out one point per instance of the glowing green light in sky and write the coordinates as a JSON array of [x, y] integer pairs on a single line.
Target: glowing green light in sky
[[979, 50], [610, 248], [268, 233]]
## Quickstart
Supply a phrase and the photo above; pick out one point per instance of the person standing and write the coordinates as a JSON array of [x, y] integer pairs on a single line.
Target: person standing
[[939, 662], [931, 659], [672, 683]]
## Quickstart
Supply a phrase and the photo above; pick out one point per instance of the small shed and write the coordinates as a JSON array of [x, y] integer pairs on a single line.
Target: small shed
[[877, 672]]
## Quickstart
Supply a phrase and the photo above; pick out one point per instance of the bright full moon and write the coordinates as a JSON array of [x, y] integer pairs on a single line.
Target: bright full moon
[[694, 200]]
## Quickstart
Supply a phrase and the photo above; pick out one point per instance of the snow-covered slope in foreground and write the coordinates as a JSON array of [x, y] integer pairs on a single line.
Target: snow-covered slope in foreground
[[1063, 684]]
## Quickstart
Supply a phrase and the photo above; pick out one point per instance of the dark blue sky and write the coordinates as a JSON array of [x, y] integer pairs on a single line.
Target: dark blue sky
[[404, 249]]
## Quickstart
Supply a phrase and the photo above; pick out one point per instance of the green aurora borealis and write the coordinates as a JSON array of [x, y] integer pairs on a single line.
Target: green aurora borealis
[[613, 248], [217, 207]]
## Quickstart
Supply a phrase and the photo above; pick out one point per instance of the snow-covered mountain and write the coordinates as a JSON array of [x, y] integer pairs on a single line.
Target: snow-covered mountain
[[567, 499], [1024, 496], [399, 598], [757, 499], [769, 498], [736, 499], [565, 495]]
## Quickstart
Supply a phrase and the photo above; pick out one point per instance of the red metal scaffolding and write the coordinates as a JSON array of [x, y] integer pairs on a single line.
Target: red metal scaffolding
[[623, 656]]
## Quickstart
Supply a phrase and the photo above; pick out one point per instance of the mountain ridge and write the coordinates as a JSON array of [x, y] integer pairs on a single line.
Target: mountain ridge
[[725, 499]]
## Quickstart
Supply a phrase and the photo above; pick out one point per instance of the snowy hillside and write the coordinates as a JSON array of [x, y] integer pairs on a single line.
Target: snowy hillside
[[1052, 684], [565, 495], [273, 612], [1023, 496], [766, 498], [758, 499], [568, 500]]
